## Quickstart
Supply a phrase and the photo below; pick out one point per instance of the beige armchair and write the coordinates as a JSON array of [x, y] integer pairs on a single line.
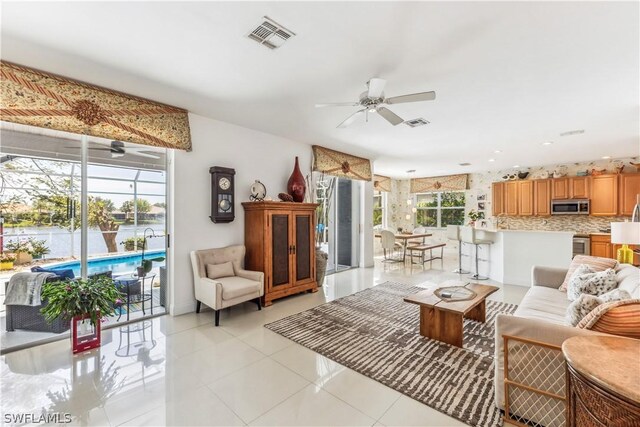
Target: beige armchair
[[236, 286]]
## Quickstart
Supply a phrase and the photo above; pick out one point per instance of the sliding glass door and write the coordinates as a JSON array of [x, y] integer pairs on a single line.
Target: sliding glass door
[[339, 214], [47, 184]]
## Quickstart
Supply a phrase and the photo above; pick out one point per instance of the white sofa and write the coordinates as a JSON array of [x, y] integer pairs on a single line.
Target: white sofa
[[541, 318]]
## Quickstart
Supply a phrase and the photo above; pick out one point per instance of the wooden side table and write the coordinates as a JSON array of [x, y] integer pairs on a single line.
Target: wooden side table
[[603, 381]]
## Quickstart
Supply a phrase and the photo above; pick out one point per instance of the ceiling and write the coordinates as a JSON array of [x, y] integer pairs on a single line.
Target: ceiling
[[509, 76]]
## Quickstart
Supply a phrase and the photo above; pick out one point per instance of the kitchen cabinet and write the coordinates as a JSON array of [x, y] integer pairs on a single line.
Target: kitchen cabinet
[[604, 195], [542, 197], [629, 192], [497, 198], [601, 245], [511, 201], [280, 241], [560, 189], [579, 187], [525, 198]]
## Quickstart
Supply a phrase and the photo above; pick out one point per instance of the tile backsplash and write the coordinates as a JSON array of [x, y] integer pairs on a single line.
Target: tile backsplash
[[584, 224]]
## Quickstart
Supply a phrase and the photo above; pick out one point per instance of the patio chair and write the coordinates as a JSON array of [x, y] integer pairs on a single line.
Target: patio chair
[[219, 281]]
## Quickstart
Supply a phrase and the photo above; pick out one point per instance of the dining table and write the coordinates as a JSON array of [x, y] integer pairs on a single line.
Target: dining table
[[404, 239]]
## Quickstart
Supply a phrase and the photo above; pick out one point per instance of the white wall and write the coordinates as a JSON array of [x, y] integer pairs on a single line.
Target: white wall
[[254, 155]]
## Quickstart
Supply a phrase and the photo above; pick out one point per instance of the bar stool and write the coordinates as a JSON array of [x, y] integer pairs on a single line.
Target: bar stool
[[468, 235], [453, 233]]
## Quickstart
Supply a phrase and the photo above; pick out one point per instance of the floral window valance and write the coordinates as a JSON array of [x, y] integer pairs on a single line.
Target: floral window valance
[[381, 183], [341, 164], [439, 183], [36, 98]]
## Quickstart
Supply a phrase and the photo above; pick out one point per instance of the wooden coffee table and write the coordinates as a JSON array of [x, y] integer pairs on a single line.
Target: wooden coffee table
[[441, 320]]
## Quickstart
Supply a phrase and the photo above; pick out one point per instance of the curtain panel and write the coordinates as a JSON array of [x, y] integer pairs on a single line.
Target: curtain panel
[[382, 183], [341, 164], [36, 98], [439, 183]]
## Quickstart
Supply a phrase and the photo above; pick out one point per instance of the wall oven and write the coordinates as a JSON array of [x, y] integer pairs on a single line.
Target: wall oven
[[570, 207]]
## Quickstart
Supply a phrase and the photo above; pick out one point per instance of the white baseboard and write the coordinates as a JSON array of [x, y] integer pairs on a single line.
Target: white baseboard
[[177, 310]]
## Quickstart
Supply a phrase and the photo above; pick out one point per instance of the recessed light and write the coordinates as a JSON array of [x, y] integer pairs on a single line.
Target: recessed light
[[492, 160], [516, 166], [606, 157], [547, 143], [498, 151]]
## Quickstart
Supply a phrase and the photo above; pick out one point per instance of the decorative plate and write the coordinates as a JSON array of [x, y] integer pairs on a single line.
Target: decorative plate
[[455, 293], [258, 191]]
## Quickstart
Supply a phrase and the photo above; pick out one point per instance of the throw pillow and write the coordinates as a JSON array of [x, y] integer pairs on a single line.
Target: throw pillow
[[615, 317], [591, 283], [596, 263], [215, 271], [63, 273], [586, 304]]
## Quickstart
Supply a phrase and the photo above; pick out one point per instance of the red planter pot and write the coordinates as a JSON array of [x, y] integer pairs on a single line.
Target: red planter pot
[[84, 334]]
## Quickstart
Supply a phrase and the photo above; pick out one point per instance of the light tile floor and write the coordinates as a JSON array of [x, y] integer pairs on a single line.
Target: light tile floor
[[184, 371]]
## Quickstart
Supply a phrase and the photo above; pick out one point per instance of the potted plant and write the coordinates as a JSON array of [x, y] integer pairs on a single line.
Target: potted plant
[[38, 248], [84, 302], [474, 216], [134, 243], [22, 249], [6, 261]]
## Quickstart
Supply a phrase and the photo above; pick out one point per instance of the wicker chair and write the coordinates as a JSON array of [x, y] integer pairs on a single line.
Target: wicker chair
[[29, 318]]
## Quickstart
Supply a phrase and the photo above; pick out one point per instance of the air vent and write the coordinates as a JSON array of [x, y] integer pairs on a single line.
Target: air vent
[[572, 132], [464, 164], [416, 122], [270, 34]]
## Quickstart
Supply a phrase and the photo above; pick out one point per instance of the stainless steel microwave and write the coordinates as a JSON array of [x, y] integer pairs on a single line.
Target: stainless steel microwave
[[570, 207]]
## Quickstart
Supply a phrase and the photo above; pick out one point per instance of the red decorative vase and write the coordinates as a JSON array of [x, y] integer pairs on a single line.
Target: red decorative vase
[[296, 186]]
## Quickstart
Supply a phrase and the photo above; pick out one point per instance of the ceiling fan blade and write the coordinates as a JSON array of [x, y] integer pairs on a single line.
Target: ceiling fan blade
[[338, 104], [376, 86], [143, 154], [390, 116], [414, 97], [351, 119]]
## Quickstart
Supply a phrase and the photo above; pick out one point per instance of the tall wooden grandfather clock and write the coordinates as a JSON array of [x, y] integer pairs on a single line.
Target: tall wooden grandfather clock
[[222, 194]]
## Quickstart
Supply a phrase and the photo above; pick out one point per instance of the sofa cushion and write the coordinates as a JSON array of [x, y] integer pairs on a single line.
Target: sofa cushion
[[236, 287], [596, 263], [544, 303], [628, 278], [591, 283], [62, 273], [215, 271], [586, 303]]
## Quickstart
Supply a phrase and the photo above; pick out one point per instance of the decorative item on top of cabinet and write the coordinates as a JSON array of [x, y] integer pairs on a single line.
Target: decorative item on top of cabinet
[[258, 191], [222, 194], [511, 197], [629, 191], [296, 187], [604, 195], [542, 197], [525, 198], [497, 198], [280, 241]]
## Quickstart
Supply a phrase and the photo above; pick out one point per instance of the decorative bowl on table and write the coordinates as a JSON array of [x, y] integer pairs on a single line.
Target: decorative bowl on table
[[454, 293]]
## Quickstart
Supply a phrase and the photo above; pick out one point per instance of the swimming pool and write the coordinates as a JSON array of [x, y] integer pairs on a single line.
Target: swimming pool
[[117, 264]]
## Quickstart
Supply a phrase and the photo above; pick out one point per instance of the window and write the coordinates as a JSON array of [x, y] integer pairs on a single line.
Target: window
[[440, 209], [378, 208]]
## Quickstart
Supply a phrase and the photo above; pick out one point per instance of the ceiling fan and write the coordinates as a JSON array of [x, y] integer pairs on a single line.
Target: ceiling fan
[[118, 149], [373, 99]]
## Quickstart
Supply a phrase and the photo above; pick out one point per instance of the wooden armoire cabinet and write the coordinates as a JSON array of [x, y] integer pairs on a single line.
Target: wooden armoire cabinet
[[280, 241]]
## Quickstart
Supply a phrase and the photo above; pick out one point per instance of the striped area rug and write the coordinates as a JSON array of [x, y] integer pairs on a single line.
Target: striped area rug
[[376, 333]]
